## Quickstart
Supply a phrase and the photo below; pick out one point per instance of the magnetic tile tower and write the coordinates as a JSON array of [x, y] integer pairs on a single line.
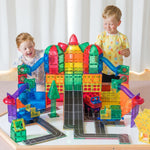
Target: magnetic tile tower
[[92, 77], [54, 69], [82, 67], [73, 62]]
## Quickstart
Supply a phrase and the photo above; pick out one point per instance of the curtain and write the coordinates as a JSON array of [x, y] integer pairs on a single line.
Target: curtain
[[53, 21], [45, 20]]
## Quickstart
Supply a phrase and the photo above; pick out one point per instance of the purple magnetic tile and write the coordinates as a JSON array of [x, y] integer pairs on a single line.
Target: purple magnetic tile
[[134, 113]]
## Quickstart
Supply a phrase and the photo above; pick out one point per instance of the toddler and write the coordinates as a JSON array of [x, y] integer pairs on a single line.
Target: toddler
[[113, 43], [25, 44]]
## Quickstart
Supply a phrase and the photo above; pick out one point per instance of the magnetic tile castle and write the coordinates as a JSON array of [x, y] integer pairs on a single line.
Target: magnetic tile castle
[[76, 70]]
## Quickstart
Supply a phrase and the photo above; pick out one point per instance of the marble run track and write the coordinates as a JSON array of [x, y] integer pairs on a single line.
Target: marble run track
[[133, 102], [10, 100]]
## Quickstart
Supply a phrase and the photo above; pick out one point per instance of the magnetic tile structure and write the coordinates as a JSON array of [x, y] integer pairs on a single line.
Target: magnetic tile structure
[[73, 75]]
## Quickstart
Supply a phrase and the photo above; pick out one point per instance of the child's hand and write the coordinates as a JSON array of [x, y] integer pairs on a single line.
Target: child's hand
[[124, 52]]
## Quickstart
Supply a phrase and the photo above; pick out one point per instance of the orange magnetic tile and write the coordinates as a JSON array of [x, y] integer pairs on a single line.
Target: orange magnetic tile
[[19, 104]]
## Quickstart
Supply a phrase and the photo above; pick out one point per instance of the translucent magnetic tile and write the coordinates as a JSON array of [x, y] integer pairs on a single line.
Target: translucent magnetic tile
[[61, 58]]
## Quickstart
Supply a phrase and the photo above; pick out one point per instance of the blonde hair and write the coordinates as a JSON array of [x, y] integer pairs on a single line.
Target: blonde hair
[[112, 11], [23, 37]]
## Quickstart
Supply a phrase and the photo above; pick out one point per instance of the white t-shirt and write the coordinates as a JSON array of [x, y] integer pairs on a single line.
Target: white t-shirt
[[38, 74]]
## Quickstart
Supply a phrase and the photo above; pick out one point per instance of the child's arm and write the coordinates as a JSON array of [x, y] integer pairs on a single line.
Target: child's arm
[[125, 46], [125, 52]]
